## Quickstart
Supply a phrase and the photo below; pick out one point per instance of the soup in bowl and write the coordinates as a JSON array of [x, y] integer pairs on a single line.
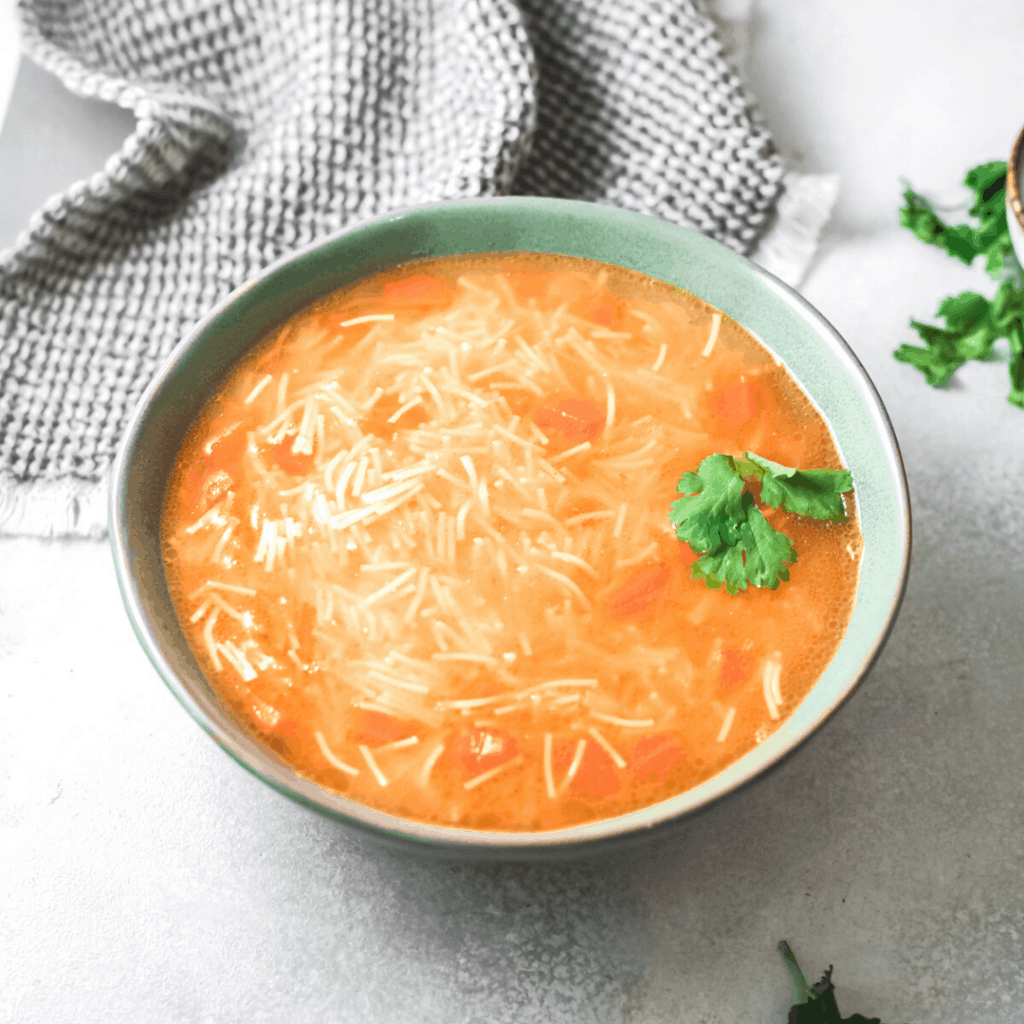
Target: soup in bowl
[[405, 510]]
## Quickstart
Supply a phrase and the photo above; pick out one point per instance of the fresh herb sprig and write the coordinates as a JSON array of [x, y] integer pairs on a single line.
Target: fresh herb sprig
[[816, 1004], [990, 239], [718, 517], [973, 323]]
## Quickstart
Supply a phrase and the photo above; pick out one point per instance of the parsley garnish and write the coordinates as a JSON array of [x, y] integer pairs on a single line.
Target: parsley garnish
[[816, 1004], [973, 323], [992, 236], [718, 517], [807, 492]]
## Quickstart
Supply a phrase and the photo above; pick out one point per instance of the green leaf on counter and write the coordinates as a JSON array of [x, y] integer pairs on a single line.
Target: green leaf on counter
[[990, 239], [973, 324]]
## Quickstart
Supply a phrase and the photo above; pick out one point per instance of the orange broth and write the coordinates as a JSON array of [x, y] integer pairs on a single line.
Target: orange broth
[[419, 543]]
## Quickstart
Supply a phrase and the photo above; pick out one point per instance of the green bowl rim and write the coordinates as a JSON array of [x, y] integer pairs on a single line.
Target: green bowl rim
[[578, 840]]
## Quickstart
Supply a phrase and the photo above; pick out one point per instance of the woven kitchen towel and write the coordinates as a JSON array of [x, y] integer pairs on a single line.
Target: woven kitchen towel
[[265, 124]]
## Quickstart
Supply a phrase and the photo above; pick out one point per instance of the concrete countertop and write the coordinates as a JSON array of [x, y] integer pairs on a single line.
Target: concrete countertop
[[145, 877]]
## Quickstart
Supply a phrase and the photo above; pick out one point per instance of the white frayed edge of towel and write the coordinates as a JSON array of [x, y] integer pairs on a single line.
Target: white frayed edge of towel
[[53, 508], [803, 209]]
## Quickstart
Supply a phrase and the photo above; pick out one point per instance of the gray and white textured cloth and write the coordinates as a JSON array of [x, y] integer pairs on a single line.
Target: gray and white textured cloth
[[265, 124]]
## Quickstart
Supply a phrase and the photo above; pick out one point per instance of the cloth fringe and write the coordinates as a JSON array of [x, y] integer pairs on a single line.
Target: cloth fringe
[[53, 508], [787, 248]]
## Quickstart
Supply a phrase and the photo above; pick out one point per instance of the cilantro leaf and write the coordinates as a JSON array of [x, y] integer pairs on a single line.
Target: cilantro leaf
[[990, 239], [973, 326], [809, 492], [968, 314], [1016, 336], [758, 557], [973, 323], [720, 521], [1007, 306], [920, 217], [816, 1004], [709, 518], [938, 360], [993, 236]]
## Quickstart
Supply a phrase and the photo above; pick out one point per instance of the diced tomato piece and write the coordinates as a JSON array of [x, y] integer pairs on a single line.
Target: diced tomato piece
[[734, 671], [575, 419], [225, 448], [640, 593], [214, 487], [419, 290], [479, 750], [296, 463], [654, 758], [598, 777], [289, 461], [374, 728], [739, 403]]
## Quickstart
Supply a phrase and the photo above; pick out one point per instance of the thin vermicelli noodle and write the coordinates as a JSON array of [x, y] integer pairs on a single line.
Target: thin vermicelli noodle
[[419, 542]]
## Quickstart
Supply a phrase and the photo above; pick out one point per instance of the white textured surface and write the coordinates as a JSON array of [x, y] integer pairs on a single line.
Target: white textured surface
[[145, 877]]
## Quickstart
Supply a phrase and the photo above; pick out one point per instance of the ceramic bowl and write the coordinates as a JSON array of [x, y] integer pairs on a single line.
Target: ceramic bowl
[[813, 352]]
